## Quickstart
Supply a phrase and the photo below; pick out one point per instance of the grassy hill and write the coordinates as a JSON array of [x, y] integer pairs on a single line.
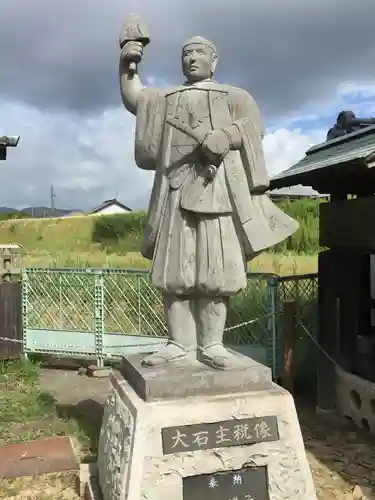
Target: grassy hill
[[113, 241], [38, 212]]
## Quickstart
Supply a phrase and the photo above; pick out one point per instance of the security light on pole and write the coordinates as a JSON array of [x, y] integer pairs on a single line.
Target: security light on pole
[[7, 142]]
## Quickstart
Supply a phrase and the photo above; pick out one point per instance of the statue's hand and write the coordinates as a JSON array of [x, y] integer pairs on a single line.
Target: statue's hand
[[215, 146], [132, 52]]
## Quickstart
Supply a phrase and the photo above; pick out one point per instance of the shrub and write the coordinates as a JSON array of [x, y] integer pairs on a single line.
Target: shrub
[[123, 232], [110, 229], [306, 239], [14, 215]]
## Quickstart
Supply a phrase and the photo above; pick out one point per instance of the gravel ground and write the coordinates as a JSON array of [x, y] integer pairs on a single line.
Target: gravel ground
[[342, 457]]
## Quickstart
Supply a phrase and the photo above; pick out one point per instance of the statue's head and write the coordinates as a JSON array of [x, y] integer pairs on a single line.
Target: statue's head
[[199, 59]]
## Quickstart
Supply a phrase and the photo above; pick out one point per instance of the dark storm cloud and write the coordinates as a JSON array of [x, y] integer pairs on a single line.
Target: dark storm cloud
[[64, 54]]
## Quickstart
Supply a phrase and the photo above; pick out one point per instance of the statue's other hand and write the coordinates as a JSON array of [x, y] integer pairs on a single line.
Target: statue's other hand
[[132, 52], [215, 146]]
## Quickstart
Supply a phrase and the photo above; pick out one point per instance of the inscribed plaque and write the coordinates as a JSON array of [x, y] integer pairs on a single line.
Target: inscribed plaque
[[219, 434]]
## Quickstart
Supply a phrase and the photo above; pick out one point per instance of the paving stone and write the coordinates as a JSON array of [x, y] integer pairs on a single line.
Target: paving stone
[[42, 456], [95, 371]]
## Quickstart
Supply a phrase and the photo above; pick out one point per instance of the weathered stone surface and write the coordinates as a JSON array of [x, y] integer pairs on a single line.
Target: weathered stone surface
[[355, 398], [132, 464], [179, 380], [41, 456], [115, 447], [98, 372]]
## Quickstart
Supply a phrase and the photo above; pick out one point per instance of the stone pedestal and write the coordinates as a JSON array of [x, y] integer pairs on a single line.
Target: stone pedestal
[[243, 445]]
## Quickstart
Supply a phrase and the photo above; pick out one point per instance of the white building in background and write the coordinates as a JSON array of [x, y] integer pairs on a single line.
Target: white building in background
[[110, 207], [297, 192]]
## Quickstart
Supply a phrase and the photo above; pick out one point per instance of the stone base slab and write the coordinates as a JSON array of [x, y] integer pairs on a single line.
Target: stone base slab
[[188, 378], [42, 456], [132, 465]]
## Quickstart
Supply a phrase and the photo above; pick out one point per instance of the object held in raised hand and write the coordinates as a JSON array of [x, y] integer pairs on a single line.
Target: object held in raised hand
[[134, 30]]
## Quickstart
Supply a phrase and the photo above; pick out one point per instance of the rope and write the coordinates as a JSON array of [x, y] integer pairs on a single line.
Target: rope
[[228, 329], [318, 345], [15, 341], [250, 322]]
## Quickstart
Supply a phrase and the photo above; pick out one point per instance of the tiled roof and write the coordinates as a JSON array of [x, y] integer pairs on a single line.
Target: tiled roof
[[108, 203], [355, 146], [296, 191]]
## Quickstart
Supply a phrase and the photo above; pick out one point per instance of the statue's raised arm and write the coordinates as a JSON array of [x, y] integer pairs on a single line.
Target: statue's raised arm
[[133, 38], [130, 84]]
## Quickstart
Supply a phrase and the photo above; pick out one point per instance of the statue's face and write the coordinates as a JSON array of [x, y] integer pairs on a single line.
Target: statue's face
[[198, 62]]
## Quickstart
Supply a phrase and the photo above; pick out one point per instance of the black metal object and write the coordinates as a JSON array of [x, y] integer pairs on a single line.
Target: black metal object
[[250, 483], [206, 436], [6, 142]]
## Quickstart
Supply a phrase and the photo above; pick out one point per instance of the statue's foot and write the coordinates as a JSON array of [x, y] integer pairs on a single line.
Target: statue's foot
[[219, 358], [168, 353]]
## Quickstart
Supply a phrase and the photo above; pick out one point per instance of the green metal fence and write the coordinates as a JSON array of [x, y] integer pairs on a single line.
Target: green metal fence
[[106, 313]]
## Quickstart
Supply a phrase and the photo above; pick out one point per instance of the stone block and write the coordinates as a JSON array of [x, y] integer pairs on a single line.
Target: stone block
[[184, 379], [98, 372], [263, 450], [41, 456], [355, 398]]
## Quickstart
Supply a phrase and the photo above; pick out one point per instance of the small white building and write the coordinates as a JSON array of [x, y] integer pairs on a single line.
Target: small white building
[[298, 192], [110, 207]]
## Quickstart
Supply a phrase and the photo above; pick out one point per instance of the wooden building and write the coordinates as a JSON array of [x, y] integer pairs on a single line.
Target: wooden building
[[344, 169]]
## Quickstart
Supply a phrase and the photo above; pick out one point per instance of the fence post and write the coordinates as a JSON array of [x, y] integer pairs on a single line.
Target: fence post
[[289, 341], [99, 316], [272, 302], [25, 310], [139, 304]]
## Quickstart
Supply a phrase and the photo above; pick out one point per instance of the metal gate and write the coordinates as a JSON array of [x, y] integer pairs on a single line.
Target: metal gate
[[106, 313]]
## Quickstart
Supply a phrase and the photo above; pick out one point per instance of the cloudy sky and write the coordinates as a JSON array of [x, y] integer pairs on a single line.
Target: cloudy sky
[[302, 61]]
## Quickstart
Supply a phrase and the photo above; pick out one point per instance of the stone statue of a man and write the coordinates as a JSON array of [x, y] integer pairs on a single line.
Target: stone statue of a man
[[208, 214]]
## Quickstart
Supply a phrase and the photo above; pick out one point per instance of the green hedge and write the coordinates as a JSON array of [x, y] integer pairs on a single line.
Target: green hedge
[[306, 239], [14, 215], [111, 228], [123, 232], [119, 233]]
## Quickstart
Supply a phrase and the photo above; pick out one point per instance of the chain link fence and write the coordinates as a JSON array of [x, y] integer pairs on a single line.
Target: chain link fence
[[303, 290], [108, 302]]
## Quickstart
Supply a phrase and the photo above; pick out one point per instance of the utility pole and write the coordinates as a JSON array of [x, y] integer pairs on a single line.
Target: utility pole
[[53, 196]]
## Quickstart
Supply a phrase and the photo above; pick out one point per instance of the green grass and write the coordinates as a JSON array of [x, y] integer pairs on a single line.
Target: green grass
[[27, 413], [44, 487], [21, 401], [114, 241]]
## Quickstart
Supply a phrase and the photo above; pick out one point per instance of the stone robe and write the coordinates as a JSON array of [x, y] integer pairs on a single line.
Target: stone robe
[[200, 235]]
